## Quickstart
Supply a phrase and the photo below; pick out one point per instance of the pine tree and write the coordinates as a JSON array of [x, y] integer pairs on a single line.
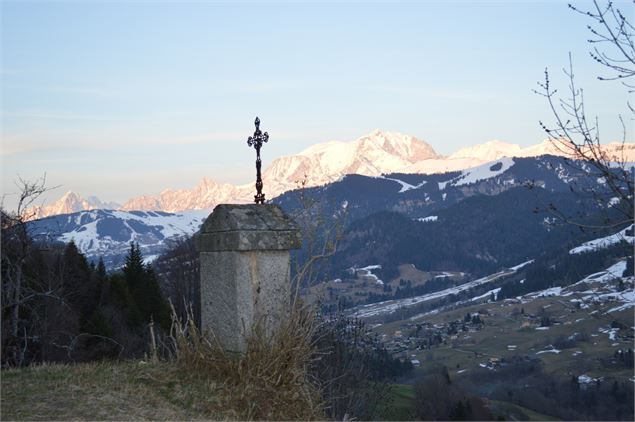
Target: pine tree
[[134, 267], [101, 270], [157, 307], [144, 289], [79, 285]]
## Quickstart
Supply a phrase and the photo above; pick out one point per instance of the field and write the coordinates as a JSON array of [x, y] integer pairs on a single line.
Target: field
[[577, 343], [399, 404], [503, 327], [362, 282]]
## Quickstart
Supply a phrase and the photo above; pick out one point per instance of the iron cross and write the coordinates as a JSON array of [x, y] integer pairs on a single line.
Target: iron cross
[[256, 141]]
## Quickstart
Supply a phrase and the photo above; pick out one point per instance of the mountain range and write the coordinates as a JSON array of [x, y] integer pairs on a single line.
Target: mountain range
[[441, 206], [371, 155]]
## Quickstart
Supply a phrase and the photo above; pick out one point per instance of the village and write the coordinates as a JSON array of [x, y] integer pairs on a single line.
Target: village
[[427, 339]]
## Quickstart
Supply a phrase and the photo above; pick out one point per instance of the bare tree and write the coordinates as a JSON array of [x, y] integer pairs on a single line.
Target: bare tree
[[577, 135], [17, 244], [321, 234]]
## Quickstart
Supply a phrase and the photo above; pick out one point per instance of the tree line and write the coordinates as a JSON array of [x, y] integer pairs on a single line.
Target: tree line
[[59, 307]]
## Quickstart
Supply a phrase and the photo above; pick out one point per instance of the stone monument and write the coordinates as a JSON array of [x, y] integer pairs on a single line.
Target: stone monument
[[245, 271], [245, 266]]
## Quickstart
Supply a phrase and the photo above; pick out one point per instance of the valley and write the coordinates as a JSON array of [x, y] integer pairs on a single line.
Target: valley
[[472, 272], [581, 335]]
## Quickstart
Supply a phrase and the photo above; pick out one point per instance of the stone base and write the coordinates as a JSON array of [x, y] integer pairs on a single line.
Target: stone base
[[241, 290]]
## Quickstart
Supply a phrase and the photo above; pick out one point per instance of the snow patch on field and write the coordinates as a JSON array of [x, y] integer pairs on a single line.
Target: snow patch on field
[[483, 172], [585, 379], [613, 272], [604, 242], [549, 349], [524, 264], [428, 218], [552, 291], [390, 306], [621, 307], [367, 273]]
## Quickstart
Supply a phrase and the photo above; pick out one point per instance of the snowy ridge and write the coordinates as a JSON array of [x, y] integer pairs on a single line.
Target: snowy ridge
[[605, 242], [168, 225], [494, 150], [489, 151], [107, 233], [70, 202], [371, 155]]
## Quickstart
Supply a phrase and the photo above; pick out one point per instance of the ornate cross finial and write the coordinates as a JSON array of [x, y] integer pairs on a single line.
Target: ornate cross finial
[[256, 141]]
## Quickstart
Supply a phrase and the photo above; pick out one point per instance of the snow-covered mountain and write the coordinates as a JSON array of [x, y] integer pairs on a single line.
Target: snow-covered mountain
[[108, 233], [71, 202], [206, 194], [488, 151], [493, 150], [371, 155]]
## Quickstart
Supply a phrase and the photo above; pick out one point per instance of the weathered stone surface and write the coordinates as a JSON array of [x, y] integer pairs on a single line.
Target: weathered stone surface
[[248, 227], [245, 271]]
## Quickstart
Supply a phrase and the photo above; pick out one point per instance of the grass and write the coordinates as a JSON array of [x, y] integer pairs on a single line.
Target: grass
[[399, 405], [502, 328], [133, 390], [515, 412], [269, 381]]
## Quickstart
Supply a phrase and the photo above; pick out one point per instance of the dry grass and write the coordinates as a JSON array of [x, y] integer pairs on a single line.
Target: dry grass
[[99, 391], [269, 381], [201, 382]]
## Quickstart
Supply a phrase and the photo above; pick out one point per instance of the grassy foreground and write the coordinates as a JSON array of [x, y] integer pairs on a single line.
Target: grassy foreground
[[107, 391], [269, 381]]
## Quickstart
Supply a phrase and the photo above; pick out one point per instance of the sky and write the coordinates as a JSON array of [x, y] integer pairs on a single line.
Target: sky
[[122, 98]]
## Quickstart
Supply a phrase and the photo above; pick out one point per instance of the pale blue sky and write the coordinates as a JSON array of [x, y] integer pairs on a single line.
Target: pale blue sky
[[121, 98]]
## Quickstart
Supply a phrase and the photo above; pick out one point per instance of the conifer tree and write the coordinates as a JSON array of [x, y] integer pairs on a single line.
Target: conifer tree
[[79, 286], [101, 269], [144, 288], [133, 268]]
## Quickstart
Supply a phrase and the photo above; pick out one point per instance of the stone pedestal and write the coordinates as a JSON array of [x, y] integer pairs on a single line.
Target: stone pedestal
[[245, 271]]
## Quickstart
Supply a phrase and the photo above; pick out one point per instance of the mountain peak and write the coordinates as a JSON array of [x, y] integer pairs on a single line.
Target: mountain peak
[[376, 153], [71, 195], [385, 135], [70, 202]]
